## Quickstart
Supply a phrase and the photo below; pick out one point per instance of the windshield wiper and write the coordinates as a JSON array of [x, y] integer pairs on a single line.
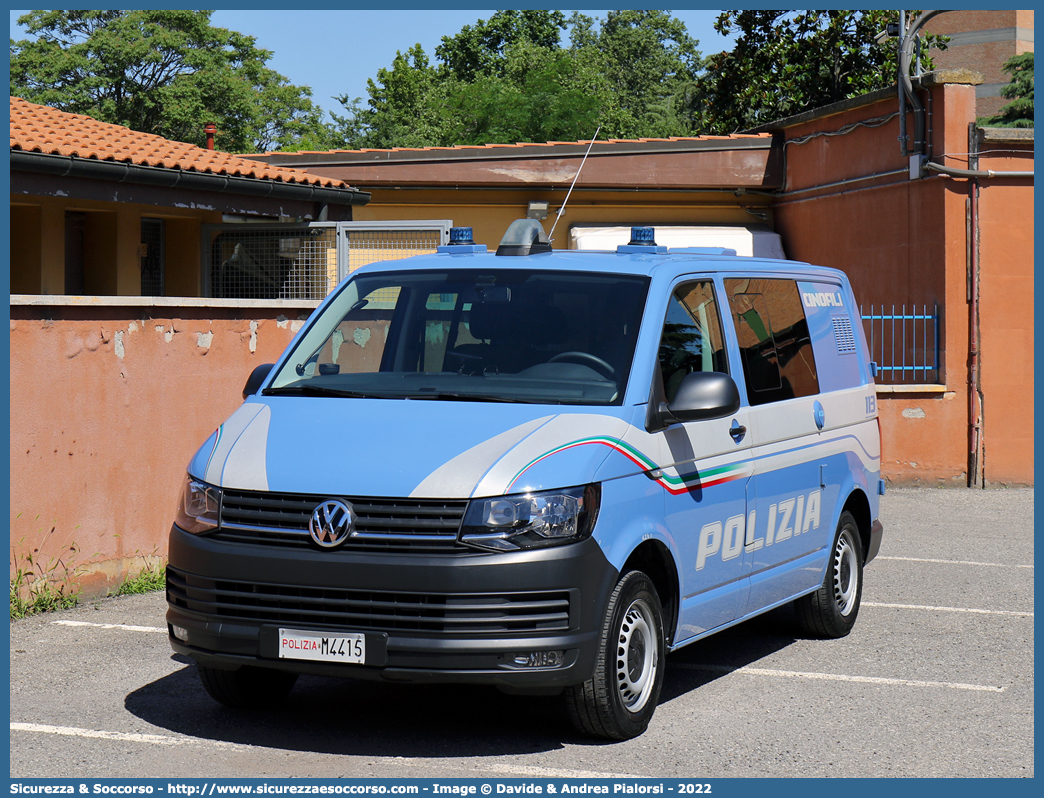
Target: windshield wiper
[[467, 397], [323, 390]]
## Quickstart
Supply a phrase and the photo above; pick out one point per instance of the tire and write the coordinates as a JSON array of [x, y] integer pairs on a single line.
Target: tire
[[831, 611], [618, 702], [248, 687]]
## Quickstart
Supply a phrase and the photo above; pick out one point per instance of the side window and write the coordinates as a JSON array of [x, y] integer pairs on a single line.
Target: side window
[[691, 339], [773, 338]]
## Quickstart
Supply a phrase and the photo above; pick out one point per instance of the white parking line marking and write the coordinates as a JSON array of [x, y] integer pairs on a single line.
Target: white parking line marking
[[161, 739], [554, 773], [122, 626], [154, 739], [948, 609], [953, 562], [837, 677]]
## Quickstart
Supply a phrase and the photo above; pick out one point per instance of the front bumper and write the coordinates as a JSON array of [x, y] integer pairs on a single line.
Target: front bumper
[[453, 617]]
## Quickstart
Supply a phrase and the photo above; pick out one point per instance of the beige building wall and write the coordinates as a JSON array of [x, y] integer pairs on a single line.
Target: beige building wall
[[112, 235], [490, 213]]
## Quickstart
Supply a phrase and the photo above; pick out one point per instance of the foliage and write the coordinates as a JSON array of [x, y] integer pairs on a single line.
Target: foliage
[[1019, 112], [509, 79], [163, 72], [786, 62], [42, 586], [149, 579], [482, 49]]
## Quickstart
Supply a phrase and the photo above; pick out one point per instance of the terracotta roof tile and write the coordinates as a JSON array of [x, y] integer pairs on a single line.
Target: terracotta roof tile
[[538, 144], [39, 128]]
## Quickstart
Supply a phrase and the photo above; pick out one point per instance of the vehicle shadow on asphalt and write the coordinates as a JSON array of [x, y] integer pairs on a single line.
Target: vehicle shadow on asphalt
[[363, 718], [709, 659]]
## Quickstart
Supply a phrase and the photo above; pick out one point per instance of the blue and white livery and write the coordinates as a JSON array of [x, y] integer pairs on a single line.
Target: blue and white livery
[[537, 469]]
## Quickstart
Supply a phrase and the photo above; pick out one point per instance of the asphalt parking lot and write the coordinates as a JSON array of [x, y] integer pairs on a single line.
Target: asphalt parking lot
[[936, 680]]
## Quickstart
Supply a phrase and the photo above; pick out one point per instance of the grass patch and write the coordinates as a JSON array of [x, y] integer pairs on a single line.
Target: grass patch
[[42, 587], [148, 580]]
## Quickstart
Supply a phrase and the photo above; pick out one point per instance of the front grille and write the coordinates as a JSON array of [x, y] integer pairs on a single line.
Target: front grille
[[449, 613], [281, 519]]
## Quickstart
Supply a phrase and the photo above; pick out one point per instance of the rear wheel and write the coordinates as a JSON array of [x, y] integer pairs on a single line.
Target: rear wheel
[[248, 687], [619, 701], [831, 611]]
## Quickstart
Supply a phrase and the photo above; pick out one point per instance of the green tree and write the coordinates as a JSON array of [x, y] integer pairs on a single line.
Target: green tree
[[482, 49], [163, 72], [652, 65], [786, 62], [510, 79], [407, 104], [542, 94], [1019, 112]]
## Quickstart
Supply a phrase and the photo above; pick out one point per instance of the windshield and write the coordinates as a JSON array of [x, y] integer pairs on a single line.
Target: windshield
[[503, 335]]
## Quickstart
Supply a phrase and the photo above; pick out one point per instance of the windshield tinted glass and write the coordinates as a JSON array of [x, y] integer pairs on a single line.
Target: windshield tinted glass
[[499, 335]]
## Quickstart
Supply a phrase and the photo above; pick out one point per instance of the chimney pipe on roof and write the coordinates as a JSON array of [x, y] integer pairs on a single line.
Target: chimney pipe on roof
[[210, 130]]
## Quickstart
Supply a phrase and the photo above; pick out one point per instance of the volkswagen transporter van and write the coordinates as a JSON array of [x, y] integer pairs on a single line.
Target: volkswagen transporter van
[[537, 470]]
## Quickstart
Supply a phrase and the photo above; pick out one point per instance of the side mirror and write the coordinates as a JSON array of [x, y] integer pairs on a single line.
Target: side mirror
[[257, 376], [705, 394], [701, 395]]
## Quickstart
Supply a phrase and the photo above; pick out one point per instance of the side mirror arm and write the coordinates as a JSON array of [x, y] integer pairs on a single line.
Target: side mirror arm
[[257, 376], [658, 414]]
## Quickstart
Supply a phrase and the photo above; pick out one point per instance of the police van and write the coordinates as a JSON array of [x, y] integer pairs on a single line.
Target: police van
[[541, 470]]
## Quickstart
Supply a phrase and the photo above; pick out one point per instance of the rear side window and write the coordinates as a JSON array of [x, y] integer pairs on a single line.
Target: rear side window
[[778, 362]]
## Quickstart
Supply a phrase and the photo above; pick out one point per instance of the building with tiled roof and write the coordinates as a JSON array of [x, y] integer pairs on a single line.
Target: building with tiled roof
[[700, 181], [98, 208]]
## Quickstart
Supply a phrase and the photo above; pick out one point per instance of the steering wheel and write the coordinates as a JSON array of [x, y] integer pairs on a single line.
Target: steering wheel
[[585, 359]]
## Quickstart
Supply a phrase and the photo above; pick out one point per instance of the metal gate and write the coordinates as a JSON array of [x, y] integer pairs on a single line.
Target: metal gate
[[305, 260]]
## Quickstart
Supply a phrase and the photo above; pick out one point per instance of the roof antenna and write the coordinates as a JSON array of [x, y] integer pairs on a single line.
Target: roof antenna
[[550, 236]]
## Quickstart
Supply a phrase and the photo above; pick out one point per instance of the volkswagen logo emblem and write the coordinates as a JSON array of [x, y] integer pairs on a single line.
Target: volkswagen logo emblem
[[331, 523]]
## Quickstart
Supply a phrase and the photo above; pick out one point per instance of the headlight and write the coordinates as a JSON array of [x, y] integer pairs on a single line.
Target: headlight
[[198, 506], [532, 520]]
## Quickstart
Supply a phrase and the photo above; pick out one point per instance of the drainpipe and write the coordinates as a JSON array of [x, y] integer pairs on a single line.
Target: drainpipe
[[904, 138], [972, 173], [905, 55], [976, 466], [210, 130]]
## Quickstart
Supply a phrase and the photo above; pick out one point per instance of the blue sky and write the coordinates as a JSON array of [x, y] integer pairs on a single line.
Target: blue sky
[[335, 51]]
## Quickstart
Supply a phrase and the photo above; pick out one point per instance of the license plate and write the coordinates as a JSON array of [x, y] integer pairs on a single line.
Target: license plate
[[295, 644]]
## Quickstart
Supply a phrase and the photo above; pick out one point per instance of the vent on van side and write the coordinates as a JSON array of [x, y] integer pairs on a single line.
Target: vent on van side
[[843, 336]]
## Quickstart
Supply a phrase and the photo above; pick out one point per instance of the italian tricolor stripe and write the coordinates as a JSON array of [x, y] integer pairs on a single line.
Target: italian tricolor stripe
[[682, 483]]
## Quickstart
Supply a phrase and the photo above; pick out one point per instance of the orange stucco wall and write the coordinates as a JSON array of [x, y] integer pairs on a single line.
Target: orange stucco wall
[[1006, 310], [905, 241], [108, 403]]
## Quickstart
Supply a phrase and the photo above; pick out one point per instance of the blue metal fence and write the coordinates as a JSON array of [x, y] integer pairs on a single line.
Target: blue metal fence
[[902, 344]]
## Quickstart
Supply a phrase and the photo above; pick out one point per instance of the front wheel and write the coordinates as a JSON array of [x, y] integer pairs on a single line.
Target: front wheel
[[619, 701], [831, 611], [248, 687]]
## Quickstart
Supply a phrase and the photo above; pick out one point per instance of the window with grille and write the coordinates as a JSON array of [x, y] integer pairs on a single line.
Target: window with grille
[[306, 261], [151, 254]]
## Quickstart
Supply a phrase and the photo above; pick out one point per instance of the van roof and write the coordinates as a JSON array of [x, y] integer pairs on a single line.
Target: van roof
[[648, 264]]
